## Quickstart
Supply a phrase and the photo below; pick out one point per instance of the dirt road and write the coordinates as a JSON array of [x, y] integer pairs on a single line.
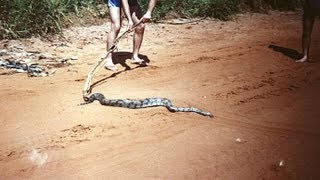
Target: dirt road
[[266, 106]]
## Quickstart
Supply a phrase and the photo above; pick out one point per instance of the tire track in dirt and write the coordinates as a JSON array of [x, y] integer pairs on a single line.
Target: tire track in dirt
[[82, 133], [273, 83]]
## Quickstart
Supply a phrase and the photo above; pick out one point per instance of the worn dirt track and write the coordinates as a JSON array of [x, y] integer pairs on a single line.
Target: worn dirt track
[[266, 106]]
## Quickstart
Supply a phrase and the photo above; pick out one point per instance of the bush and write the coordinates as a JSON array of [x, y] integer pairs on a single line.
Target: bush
[[24, 18], [220, 9]]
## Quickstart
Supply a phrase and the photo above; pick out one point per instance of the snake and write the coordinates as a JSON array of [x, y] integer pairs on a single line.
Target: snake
[[143, 103]]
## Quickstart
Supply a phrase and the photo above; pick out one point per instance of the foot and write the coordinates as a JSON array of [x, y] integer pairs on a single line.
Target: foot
[[302, 60], [110, 66], [138, 61]]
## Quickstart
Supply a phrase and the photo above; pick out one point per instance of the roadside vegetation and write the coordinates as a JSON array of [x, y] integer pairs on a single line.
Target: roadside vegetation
[[25, 18]]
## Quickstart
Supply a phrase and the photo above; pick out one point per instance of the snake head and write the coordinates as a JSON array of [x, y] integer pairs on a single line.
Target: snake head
[[86, 98], [85, 95]]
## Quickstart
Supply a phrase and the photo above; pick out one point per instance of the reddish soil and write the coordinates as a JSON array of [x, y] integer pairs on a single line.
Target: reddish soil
[[266, 106]]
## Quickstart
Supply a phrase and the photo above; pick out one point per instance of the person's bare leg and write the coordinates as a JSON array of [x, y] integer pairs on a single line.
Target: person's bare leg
[[308, 22], [136, 14], [112, 35]]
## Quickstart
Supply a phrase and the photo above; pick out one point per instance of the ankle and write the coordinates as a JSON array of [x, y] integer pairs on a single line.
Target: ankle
[[109, 62], [135, 58]]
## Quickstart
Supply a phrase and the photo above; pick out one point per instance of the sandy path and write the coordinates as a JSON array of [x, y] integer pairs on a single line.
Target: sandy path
[[258, 95]]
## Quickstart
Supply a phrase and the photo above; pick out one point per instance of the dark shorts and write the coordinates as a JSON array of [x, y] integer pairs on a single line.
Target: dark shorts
[[117, 3], [311, 8]]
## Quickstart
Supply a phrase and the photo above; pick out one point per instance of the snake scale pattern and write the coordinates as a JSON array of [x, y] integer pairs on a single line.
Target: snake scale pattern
[[144, 103]]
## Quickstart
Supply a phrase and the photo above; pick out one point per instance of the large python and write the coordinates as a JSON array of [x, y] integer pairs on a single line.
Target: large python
[[144, 103]]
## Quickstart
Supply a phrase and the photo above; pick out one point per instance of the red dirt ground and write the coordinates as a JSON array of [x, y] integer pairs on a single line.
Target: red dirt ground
[[266, 106]]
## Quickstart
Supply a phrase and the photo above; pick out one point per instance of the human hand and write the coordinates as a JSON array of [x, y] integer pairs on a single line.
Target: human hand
[[146, 17]]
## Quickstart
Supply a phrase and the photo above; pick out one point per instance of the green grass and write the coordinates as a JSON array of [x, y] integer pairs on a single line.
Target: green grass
[[220, 9], [25, 18]]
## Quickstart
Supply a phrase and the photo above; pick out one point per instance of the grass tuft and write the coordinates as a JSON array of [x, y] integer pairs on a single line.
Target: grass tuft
[[25, 18]]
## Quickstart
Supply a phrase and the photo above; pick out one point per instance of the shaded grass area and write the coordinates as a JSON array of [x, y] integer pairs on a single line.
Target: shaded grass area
[[220, 9], [25, 18]]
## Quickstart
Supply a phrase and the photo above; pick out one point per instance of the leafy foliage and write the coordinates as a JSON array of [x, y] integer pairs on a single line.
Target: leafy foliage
[[24, 18], [220, 9]]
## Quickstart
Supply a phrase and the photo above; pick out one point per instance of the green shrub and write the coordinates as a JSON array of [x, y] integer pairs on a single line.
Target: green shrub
[[220, 9], [24, 18]]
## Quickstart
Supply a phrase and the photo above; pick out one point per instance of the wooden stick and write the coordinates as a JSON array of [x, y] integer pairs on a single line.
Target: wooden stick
[[87, 85]]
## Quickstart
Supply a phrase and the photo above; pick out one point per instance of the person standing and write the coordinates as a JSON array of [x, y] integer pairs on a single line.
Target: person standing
[[134, 15], [311, 10]]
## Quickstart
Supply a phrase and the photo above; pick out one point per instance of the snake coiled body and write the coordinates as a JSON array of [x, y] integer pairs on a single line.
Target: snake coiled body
[[144, 103]]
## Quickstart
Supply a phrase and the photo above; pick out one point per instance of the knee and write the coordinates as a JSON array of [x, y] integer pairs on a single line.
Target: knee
[[115, 27], [140, 28]]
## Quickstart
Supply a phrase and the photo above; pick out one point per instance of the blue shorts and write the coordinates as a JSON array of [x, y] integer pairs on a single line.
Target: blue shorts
[[117, 3]]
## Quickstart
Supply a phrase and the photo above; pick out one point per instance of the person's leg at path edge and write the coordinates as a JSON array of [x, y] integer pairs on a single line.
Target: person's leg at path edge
[[136, 15], [311, 10], [308, 22], [115, 12]]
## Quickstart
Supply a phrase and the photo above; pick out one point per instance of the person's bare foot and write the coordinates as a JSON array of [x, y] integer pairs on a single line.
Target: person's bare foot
[[138, 61], [110, 66], [302, 60]]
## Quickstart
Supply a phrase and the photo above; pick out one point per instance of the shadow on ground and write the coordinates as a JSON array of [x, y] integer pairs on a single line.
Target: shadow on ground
[[120, 58], [291, 53]]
